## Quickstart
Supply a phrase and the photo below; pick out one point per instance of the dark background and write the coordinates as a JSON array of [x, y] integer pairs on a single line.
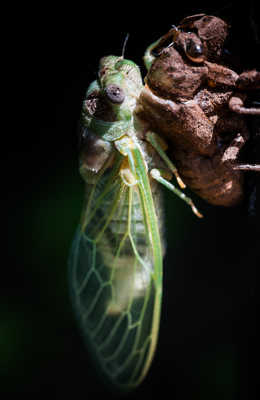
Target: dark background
[[206, 347]]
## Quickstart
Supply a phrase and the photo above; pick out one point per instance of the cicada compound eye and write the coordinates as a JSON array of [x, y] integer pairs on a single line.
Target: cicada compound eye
[[194, 51], [115, 94]]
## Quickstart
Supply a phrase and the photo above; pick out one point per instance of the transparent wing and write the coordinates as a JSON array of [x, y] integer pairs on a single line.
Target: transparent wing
[[114, 292]]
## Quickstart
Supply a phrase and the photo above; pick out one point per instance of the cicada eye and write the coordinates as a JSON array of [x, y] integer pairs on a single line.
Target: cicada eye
[[115, 94], [194, 51]]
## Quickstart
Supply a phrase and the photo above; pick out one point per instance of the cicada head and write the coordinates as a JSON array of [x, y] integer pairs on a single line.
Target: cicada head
[[120, 80], [210, 30]]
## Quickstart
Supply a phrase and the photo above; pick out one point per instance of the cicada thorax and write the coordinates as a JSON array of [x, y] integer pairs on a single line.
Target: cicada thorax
[[115, 264]]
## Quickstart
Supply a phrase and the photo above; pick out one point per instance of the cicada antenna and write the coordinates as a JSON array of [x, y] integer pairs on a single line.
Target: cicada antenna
[[124, 45]]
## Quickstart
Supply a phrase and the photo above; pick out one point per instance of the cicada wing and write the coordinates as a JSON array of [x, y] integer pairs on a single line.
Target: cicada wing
[[114, 292]]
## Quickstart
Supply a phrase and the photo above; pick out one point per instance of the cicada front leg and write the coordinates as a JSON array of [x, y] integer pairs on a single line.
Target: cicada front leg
[[162, 177], [157, 175], [160, 146], [155, 49], [236, 104]]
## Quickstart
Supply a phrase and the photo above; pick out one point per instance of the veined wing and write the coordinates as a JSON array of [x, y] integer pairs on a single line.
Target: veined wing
[[113, 279]]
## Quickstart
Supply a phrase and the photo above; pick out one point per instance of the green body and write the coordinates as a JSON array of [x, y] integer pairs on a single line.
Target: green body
[[116, 257]]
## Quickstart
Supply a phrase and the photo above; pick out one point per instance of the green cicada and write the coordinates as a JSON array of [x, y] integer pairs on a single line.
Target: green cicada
[[117, 253]]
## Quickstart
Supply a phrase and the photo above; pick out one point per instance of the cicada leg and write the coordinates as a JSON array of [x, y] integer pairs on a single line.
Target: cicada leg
[[156, 174], [247, 167], [156, 48], [236, 104], [160, 146], [126, 174]]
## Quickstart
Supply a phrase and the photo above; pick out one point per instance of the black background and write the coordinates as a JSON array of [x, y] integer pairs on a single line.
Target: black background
[[206, 347]]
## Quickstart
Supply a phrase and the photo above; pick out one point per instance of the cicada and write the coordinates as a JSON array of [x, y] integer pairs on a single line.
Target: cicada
[[115, 266]]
